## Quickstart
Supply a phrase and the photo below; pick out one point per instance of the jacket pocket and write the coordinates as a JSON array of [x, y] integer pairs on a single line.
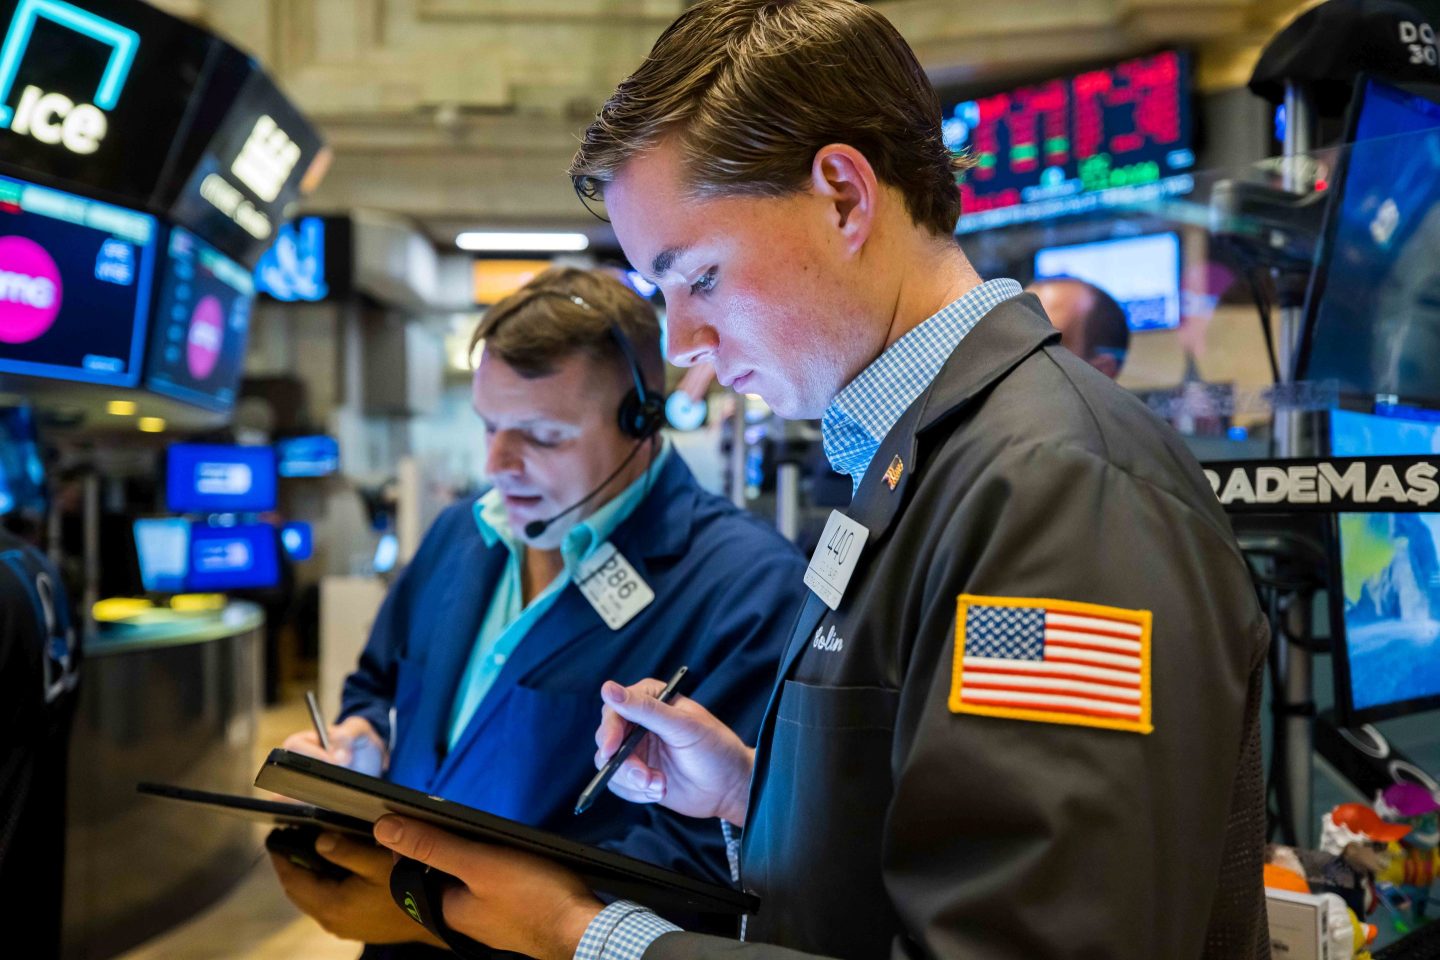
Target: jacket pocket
[[838, 708]]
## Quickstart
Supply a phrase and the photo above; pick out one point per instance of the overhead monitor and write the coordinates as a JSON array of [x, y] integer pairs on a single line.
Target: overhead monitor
[[22, 472], [1372, 313], [163, 548], [261, 158], [96, 92], [75, 278], [1053, 148], [1141, 273], [201, 324], [294, 268], [240, 557], [298, 539], [203, 478], [1386, 586], [312, 456]]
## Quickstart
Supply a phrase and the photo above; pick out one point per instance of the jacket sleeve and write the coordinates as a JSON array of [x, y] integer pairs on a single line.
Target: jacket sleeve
[[1009, 838], [369, 692]]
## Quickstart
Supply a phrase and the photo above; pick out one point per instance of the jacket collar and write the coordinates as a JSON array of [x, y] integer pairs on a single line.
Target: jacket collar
[[1008, 334], [1005, 336], [660, 525]]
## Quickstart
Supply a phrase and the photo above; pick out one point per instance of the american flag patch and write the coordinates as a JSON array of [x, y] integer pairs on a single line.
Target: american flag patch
[[1054, 661]]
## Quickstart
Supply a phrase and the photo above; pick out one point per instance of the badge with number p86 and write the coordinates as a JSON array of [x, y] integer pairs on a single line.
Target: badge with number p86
[[613, 587], [835, 558]]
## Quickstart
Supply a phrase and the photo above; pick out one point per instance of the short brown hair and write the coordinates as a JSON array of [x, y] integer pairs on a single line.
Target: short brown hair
[[565, 311], [754, 88]]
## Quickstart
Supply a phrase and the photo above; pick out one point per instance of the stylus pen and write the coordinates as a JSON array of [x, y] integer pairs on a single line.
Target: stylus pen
[[315, 719], [627, 747]]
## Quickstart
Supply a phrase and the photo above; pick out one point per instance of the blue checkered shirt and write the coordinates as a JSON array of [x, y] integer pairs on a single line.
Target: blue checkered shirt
[[853, 427], [860, 416]]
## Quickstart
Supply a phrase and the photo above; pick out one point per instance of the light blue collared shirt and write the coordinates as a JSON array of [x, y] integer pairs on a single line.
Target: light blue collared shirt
[[509, 619], [860, 416]]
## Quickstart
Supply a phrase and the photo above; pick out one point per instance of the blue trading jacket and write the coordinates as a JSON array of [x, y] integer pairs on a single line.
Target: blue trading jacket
[[727, 588]]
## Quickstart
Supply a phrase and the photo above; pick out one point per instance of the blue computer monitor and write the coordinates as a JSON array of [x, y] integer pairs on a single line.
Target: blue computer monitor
[[201, 324], [298, 539], [293, 269], [203, 478], [1372, 320], [241, 557], [313, 456], [22, 473], [163, 548], [75, 279], [1141, 273], [1386, 589]]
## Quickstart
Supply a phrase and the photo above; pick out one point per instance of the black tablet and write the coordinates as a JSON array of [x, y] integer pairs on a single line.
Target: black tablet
[[355, 795], [274, 812]]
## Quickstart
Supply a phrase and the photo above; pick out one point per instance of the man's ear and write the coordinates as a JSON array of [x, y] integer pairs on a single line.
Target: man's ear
[[842, 177]]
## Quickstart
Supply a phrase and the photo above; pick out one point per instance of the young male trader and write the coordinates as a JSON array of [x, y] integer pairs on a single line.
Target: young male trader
[[486, 649], [1019, 717]]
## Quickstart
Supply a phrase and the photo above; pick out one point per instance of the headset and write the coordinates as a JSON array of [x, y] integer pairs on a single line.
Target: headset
[[640, 417]]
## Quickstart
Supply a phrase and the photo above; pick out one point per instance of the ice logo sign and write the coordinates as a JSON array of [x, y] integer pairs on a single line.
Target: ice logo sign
[[30, 290], [206, 337], [54, 118]]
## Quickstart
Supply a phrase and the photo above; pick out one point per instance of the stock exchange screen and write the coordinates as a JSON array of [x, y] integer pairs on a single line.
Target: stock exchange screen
[[1055, 148]]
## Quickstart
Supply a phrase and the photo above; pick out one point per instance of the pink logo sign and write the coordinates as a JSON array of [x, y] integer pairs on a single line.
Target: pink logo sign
[[207, 334], [30, 290]]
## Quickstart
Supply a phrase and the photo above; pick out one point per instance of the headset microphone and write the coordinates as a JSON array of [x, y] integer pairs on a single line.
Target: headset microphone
[[534, 528]]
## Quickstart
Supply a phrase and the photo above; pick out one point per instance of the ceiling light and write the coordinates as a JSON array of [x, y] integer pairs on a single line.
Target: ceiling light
[[494, 241], [121, 408], [152, 424]]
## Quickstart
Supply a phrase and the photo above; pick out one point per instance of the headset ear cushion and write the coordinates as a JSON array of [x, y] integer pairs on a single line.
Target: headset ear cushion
[[641, 418]]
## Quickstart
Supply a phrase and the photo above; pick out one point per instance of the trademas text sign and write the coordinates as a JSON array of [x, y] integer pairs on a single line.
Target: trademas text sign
[[1327, 485]]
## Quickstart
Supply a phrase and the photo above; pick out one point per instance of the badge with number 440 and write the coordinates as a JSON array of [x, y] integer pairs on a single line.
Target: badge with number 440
[[835, 558], [613, 587]]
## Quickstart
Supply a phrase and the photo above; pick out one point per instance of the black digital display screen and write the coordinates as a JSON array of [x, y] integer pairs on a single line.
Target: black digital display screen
[[1046, 146], [95, 92], [262, 157], [201, 324], [75, 280]]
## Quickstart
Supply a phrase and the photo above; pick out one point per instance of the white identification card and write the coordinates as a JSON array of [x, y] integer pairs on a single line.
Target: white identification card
[[613, 587], [835, 558]]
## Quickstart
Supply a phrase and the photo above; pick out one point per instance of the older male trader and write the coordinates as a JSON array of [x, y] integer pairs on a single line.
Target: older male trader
[[487, 653]]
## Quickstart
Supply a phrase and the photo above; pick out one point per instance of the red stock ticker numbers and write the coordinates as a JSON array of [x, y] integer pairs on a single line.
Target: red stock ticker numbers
[[1045, 146]]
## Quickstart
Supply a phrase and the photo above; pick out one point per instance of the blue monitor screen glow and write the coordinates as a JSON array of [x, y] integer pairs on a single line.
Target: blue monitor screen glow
[[74, 285], [202, 478], [22, 473], [163, 548], [293, 269], [298, 539], [387, 552], [1141, 273], [241, 557], [314, 456], [1388, 590], [201, 325], [1373, 309]]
